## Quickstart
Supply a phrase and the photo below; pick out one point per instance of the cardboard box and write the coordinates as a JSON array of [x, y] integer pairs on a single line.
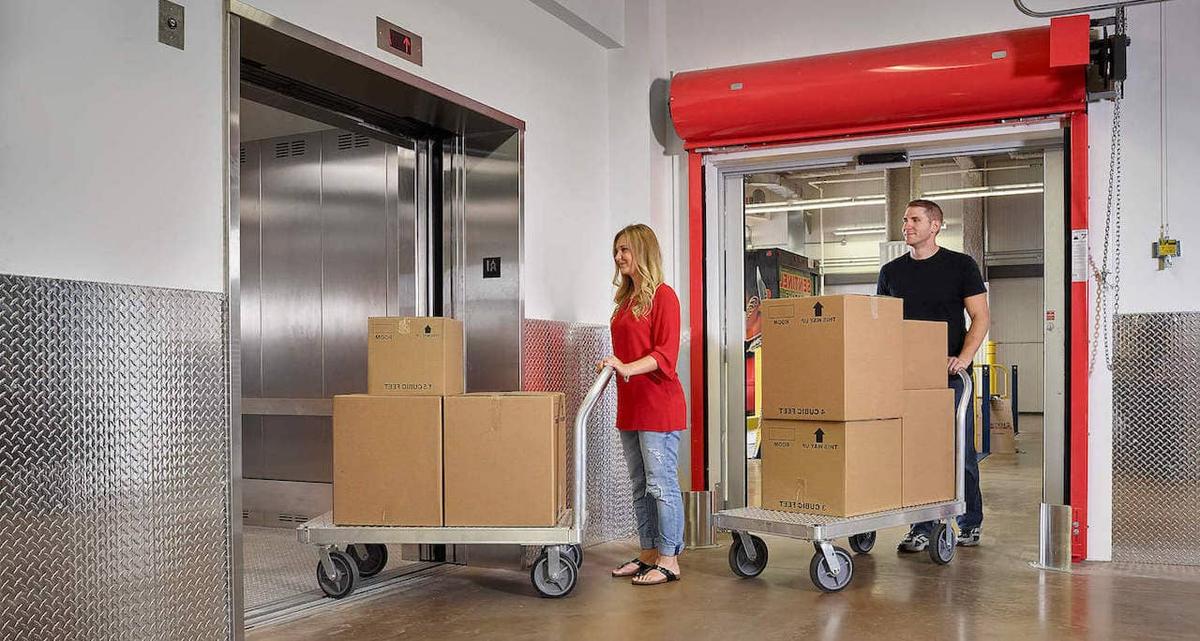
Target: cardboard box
[[421, 356], [831, 468], [925, 355], [505, 459], [387, 460], [927, 452], [833, 358]]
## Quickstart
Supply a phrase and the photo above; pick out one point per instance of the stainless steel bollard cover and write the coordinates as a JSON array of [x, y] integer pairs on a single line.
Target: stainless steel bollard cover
[[1054, 545], [698, 531]]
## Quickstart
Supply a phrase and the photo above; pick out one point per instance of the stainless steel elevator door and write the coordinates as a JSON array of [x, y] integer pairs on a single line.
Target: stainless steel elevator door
[[328, 239]]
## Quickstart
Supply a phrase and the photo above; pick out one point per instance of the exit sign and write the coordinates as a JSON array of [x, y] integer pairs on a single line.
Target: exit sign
[[398, 40]]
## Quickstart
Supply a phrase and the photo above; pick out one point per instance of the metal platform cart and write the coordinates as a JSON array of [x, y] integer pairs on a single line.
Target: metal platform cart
[[832, 567], [349, 553]]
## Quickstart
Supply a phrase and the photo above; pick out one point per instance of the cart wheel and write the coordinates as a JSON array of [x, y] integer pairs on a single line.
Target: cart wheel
[[818, 571], [740, 562], [576, 554], [377, 559], [554, 587], [941, 548], [347, 575], [862, 543]]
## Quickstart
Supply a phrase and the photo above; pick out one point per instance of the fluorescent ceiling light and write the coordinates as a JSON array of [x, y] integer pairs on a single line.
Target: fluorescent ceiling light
[[819, 203], [859, 231], [984, 194]]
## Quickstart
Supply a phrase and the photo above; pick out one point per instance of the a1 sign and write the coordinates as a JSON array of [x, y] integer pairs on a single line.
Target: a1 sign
[[491, 267]]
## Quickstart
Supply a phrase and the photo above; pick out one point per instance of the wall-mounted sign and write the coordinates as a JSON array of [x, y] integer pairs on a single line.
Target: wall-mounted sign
[[398, 40]]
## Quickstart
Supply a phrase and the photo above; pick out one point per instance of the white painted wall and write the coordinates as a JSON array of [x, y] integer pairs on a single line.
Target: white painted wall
[[603, 21], [110, 145], [708, 33]]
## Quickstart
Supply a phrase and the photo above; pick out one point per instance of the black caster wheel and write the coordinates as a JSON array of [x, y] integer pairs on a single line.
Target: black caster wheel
[[376, 559], [576, 554], [824, 578], [862, 543], [740, 562], [346, 571], [942, 544], [554, 587]]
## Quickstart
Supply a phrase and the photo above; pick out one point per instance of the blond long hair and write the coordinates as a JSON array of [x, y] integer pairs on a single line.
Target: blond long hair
[[644, 245]]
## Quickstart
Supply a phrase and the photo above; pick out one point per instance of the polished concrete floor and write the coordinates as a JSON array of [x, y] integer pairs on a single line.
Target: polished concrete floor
[[989, 592]]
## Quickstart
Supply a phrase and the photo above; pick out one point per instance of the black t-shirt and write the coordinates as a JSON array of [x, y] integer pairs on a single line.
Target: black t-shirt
[[934, 289]]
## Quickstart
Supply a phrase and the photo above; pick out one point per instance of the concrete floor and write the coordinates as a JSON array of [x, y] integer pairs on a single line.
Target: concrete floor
[[989, 592]]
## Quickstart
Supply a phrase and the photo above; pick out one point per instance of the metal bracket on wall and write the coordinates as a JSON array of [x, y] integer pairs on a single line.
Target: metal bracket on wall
[[170, 23]]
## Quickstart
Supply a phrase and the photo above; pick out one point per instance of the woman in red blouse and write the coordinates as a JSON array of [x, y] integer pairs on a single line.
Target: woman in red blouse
[[651, 411]]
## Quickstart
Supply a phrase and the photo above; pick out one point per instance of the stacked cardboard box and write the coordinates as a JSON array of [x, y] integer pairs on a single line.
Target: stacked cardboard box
[[833, 399], [412, 451], [927, 455]]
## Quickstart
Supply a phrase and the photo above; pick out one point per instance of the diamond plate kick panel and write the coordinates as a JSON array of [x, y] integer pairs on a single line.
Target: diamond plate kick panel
[[114, 474], [1156, 439], [561, 357]]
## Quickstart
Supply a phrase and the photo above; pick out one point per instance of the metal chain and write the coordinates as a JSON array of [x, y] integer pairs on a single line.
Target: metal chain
[[1108, 283]]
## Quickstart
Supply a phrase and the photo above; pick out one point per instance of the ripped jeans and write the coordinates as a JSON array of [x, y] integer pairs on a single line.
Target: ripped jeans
[[653, 459]]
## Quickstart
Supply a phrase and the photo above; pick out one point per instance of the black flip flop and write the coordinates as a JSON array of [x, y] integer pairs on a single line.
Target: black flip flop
[[670, 576], [642, 567]]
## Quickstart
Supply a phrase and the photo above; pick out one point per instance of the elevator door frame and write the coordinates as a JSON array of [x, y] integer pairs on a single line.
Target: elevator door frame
[[475, 151], [724, 173]]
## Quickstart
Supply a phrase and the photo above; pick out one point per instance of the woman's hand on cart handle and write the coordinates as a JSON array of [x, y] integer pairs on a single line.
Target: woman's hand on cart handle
[[615, 363]]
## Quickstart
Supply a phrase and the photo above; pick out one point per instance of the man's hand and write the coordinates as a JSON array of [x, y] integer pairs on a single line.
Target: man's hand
[[616, 364], [957, 364]]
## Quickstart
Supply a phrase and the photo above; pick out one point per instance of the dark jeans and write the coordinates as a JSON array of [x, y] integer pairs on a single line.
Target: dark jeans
[[974, 516]]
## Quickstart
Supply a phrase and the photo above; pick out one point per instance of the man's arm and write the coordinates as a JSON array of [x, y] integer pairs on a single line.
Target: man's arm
[[981, 318]]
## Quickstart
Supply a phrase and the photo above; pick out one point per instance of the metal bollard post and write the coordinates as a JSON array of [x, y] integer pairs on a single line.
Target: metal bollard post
[[698, 531], [1054, 545], [1016, 408]]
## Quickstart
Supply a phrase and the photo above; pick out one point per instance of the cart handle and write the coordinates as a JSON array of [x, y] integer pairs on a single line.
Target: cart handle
[[964, 405], [581, 420]]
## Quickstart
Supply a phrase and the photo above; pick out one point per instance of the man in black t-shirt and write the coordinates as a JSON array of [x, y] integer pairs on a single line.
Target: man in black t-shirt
[[938, 284]]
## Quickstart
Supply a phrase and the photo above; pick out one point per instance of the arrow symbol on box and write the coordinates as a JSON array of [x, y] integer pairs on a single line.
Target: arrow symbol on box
[[820, 434], [818, 308]]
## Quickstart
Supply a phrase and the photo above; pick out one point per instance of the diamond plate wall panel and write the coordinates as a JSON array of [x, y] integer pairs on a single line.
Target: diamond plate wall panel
[[1156, 439], [561, 357], [114, 471]]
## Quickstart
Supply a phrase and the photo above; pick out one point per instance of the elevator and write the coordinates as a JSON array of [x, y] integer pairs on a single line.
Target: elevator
[[356, 190]]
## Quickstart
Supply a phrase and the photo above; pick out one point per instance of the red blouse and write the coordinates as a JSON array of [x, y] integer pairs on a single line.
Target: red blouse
[[650, 402]]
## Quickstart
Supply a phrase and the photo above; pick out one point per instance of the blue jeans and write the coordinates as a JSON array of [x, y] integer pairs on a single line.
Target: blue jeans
[[974, 515], [653, 460]]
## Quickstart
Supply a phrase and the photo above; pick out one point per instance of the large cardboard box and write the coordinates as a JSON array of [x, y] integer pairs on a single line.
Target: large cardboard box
[[387, 460], [833, 358], [420, 356], [925, 355], [831, 468], [505, 459], [927, 456]]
